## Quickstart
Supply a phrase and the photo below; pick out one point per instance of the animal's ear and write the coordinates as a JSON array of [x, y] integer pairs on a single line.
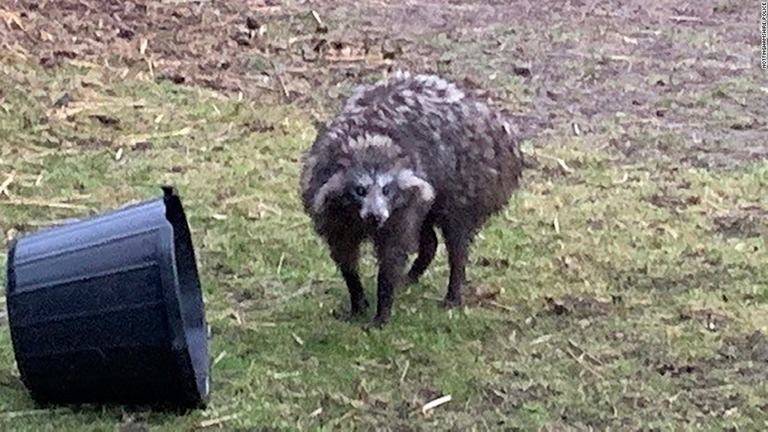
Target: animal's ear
[[332, 187], [407, 179]]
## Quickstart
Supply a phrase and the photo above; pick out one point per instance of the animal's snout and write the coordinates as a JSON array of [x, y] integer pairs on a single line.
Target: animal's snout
[[374, 218], [375, 209]]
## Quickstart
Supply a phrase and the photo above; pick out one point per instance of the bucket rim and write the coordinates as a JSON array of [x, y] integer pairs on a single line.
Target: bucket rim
[[181, 295], [10, 267]]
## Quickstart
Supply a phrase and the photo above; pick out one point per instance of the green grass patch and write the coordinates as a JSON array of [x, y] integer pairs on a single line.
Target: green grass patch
[[622, 299]]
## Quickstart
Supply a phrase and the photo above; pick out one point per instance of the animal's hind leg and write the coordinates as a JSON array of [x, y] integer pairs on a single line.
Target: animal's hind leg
[[457, 243], [427, 249], [346, 255]]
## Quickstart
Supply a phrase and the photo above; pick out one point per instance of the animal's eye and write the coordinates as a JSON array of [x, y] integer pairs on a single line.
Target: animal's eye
[[361, 190], [386, 189]]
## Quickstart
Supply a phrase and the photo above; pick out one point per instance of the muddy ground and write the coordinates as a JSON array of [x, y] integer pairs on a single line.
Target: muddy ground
[[630, 73]]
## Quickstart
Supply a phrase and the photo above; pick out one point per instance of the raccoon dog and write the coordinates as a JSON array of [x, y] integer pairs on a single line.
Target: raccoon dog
[[405, 156]]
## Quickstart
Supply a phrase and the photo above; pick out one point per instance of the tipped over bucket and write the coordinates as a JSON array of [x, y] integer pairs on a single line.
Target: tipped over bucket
[[110, 310]]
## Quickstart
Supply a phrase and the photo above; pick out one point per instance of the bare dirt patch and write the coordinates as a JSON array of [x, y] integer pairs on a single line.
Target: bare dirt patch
[[743, 223], [673, 281], [706, 318], [675, 196], [694, 268], [650, 81], [579, 306], [508, 394], [744, 357], [710, 383]]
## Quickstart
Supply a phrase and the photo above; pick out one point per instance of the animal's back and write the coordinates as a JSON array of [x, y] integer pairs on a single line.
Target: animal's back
[[467, 151]]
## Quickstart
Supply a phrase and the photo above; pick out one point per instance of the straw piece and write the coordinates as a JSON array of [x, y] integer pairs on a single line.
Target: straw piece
[[435, 403]]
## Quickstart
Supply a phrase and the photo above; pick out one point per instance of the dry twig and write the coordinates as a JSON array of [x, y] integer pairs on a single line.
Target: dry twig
[[580, 359], [39, 203], [6, 183], [435, 403], [218, 421]]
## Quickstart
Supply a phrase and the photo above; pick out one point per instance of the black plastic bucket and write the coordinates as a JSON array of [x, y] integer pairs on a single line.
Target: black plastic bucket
[[109, 310]]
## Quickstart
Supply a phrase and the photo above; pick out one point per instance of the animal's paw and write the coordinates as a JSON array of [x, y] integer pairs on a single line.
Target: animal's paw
[[360, 309], [377, 323], [411, 279], [354, 314], [451, 302], [348, 316]]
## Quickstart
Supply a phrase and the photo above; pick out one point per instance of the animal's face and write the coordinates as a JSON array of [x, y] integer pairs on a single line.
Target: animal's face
[[376, 195], [376, 180]]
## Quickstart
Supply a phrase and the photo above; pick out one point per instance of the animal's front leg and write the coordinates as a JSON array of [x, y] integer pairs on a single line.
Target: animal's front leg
[[390, 278], [346, 256], [393, 244]]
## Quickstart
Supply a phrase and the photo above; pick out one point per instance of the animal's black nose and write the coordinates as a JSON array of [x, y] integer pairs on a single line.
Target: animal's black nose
[[373, 218]]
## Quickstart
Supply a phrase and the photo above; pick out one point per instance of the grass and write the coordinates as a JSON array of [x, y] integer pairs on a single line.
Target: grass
[[618, 305]]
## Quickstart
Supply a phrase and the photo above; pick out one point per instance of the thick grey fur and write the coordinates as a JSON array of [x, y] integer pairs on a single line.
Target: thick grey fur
[[451, 162]]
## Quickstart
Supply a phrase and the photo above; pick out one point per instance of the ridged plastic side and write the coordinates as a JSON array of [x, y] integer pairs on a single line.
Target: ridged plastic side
[[95, 310]]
